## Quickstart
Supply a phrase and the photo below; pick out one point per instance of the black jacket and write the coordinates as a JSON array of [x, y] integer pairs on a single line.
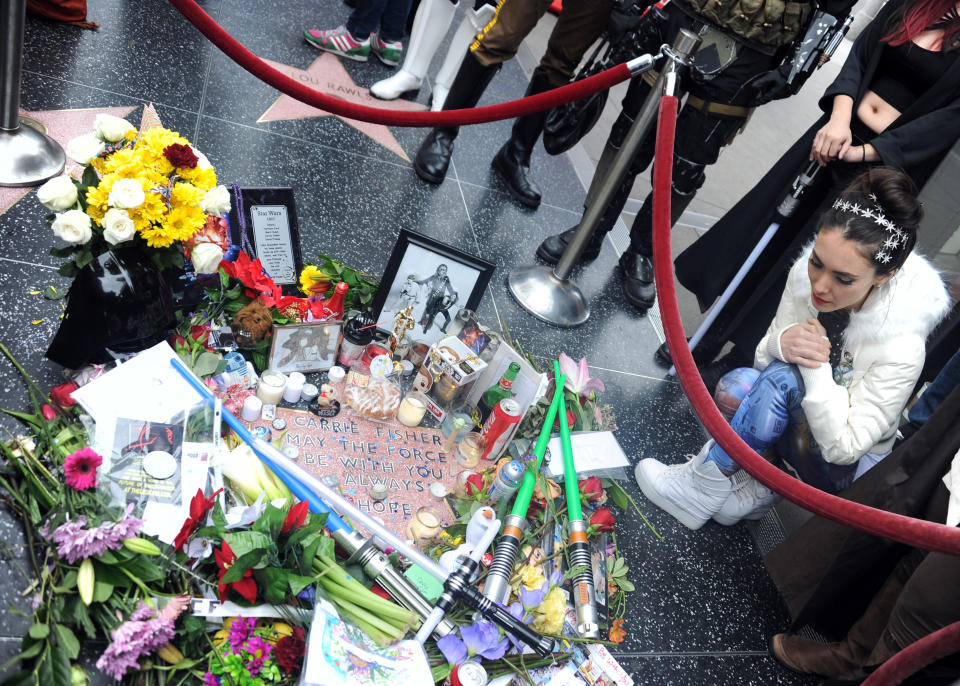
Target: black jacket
[[915, 142]]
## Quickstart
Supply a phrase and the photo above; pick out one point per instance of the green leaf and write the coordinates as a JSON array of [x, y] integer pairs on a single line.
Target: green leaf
[[82, 616], [102, 591], [51, 293], [206, 364], [107, 558], [219, 519], [575, 571], [67, 640], [626, 584], [270, 521], [90, 177], [63, 252], [242, 542], [26, 654], [68, 270], [298, 583], [21, 678], [618, 496], [142, 568], [241, 565], [59, 667], [38, 631], [274, 583]]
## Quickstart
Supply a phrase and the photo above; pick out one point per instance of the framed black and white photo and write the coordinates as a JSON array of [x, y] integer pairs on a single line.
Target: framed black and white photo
[[306, 347], [433, 278]]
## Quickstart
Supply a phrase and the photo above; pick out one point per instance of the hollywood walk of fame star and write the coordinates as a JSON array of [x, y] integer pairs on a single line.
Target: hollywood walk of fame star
[[327, 75], [62, 126]]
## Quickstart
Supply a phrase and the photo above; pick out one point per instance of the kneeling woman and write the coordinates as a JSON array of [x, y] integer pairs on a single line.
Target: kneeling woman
[[838, 362]]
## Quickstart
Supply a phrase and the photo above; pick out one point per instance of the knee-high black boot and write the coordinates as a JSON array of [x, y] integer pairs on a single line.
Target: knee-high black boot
[[434, 154], [513, 159]]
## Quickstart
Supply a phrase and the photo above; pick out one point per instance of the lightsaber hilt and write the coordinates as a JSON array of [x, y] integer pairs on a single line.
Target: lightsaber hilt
[[377, 566], [800, 184], [541, 645], [584, 593], [496, 587]]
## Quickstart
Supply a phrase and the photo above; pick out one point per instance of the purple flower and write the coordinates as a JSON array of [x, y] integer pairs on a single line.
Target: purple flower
[[142, 634], [240, 629], [452, 648], [259, 651], [75, 542], [209, 679], [531, 599], [483, 638]]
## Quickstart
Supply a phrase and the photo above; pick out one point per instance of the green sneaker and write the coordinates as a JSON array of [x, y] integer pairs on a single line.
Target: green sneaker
[[339, 42], [389, 52]]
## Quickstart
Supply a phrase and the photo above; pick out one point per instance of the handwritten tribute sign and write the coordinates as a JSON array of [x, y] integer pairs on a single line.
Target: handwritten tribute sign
[[271, 233], [362, 453]]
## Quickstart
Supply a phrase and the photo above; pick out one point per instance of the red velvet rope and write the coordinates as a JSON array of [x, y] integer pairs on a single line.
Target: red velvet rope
[[478, 115], [916, 656], [913, 532]]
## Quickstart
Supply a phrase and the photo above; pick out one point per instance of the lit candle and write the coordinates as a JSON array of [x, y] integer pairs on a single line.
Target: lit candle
[[411, 410], [424, 525], [291, 391], [270, 390], [470, 449]]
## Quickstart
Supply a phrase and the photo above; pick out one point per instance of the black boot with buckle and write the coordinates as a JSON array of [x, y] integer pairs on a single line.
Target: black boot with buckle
[[513, 159], [434, 154]]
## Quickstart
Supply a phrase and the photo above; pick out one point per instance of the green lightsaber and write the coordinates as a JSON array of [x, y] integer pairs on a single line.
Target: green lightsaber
[[497, 585], [584, 594]]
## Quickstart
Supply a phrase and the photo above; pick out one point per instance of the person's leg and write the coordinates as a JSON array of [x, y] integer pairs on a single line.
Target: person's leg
[[580, 24], [429, 28], [942, 386], [352, 40], [472, 23], [498, 42], [446, 319], [393, 20]]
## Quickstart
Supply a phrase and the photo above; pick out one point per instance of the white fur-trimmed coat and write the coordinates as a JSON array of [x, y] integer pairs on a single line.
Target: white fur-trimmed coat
[[884, 343]]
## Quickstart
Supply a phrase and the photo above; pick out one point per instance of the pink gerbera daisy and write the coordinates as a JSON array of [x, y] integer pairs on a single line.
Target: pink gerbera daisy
[[81, 469]]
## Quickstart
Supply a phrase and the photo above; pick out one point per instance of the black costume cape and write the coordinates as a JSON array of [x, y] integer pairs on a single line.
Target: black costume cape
[[915, 142]]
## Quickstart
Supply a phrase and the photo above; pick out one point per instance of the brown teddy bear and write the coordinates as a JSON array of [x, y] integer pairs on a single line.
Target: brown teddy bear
[[252, 324]]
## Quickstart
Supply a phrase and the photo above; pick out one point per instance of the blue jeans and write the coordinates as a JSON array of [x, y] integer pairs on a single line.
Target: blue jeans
[[940, 388], [771, 420], [389, 15]]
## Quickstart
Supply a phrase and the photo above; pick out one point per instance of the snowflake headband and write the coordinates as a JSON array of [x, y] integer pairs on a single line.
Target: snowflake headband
[[897, 237]]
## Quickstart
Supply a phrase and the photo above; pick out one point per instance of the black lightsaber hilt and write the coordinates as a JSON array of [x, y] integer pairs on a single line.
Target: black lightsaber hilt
[[584, 593], [456, 587], [496, 587]]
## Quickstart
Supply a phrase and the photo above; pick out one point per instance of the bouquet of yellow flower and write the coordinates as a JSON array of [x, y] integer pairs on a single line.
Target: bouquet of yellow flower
[[150, 187]]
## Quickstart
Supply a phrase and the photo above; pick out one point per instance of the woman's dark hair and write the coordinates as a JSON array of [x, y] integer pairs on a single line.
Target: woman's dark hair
[[880, 211], [918, 16]]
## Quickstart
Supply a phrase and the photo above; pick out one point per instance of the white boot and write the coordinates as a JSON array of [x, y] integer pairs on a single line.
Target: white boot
[[692, 492], [429, 28], [466, 32], [749, 499]]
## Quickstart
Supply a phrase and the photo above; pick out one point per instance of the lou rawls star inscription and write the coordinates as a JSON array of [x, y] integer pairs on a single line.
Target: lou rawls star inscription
[[327, 75]]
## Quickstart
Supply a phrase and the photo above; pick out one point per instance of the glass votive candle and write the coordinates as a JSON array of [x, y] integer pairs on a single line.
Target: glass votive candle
[[462, 476], [425, 525], [411, 410], [469, 450], [270, 389]]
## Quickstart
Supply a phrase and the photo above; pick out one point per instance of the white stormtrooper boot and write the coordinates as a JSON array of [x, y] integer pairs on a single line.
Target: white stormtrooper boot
[[471, 25], [429, 28]]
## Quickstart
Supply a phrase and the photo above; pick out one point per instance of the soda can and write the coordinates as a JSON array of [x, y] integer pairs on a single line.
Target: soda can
[[468, 674], [507, 481], [500, 427]]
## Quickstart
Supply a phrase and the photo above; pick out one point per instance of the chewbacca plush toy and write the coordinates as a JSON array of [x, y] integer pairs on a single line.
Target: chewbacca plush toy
[[252, 324]]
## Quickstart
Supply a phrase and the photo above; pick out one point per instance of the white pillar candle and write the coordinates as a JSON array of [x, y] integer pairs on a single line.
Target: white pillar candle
[[291, 391], [251, 409], [270, 389]]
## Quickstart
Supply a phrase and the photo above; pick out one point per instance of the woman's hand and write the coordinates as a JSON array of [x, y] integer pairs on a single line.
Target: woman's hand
[[861, 153], [832, 141], [805, 344]]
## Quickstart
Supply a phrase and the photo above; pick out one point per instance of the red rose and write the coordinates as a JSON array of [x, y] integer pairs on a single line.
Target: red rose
[[591, 488], [61, 395], [602, 519], [181, 156], [571, 420], [48, 413], [474, 484]]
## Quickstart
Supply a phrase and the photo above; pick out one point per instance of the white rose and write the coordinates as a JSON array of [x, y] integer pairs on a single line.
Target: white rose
[[216, 200], [84, 148], [206, 257], [110, 128], [58, 194], [202, 161], [73, 226], [117, 226], [126, 194]]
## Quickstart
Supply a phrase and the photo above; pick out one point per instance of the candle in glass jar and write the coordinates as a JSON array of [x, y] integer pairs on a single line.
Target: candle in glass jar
[[462, 476], [411, 410], [470, 449], [270, 390], [425, 525]]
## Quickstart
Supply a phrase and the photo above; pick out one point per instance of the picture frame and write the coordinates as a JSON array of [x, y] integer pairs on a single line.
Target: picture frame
[[435, 279], [305, 347], [263, 222]]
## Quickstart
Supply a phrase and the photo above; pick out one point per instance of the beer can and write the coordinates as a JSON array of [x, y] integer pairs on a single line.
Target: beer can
[[500, 427], [468, 674]]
